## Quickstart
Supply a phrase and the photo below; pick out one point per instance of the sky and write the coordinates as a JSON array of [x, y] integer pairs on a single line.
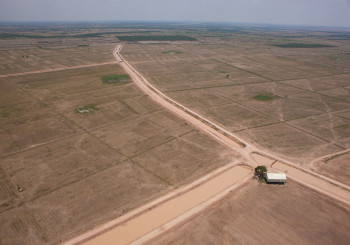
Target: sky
[[285, 12]]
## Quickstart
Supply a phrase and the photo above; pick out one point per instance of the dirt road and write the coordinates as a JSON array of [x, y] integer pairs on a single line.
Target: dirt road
[[135, 227]]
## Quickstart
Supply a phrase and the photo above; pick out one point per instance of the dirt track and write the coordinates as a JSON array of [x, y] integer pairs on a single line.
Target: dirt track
[[328, 186]]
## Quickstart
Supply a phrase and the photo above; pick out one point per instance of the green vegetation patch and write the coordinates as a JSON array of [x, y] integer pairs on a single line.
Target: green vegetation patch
[[303, 45], [172, 52], [222, 72], [260, 172], [157, 38], [86, 109], [116, 79], [263, 97]]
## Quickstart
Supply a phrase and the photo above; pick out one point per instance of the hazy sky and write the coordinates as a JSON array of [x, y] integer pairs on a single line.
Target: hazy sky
[[297, 12]]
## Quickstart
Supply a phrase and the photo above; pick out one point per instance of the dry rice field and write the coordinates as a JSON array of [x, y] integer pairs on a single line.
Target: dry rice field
[[288, 102], [63, 172]]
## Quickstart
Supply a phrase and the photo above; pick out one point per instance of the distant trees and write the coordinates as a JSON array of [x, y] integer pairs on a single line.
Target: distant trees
[[156, 38]]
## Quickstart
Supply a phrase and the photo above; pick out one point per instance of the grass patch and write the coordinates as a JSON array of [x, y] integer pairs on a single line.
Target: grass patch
[[222, 72], [86, 109], [116, 79], [172, 52], [83, 45], [157, 38], [303, 45], [263, 97]]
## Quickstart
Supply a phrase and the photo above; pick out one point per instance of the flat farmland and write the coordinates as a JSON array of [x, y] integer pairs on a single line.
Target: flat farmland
[[326, 126], [264, 214], [81, 145], [76, 56], [266, 94], [63, 172], [17, 61], [29, 60]]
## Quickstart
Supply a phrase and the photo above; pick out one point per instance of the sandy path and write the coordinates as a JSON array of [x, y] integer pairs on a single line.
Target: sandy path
[[164, 213], [56, 69]]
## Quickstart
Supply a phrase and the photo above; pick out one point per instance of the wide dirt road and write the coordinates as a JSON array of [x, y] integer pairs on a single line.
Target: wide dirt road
[[178, 207]]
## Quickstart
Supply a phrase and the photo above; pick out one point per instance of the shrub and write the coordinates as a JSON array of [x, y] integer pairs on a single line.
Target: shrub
[[260, 172]]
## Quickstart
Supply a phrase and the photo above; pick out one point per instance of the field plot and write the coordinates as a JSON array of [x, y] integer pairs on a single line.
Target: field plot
[[76, 56], [17, 61], [67, 82], [63, 172], [321, 83], [336, 167], [329, 127], [185, 157], [235, 117], [11, 95], [152, 68], [320, 102], [339, 60], [266, 214], [278, 68]]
